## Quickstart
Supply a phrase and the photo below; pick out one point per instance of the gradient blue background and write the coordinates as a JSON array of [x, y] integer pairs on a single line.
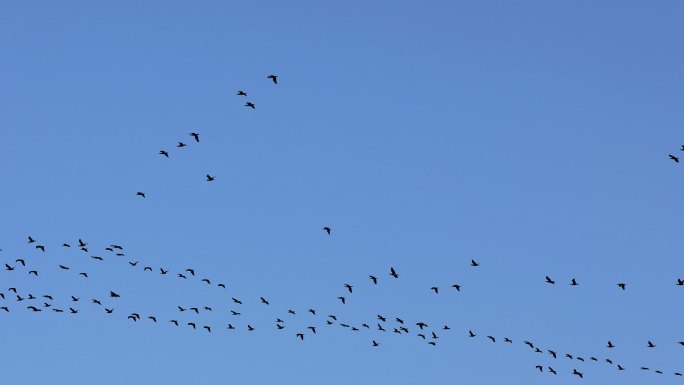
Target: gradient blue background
[[532, 137]]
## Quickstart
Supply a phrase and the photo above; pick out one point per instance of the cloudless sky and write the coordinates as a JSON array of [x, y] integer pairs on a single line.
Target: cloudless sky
[[532, 136]]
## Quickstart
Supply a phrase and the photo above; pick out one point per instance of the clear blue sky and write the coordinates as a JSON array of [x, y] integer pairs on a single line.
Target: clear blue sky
[[531, 136]]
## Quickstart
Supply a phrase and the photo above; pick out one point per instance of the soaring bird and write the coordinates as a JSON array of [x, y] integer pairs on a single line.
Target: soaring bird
[[250, 328], [574, 282], [162, 271], [34, 272], [114, 295], [8, 267], [312, 328], [109, 311], [84, 274], [348, 286], [551, 352], [21, 261], [264, 301], [300, 336], [153, 318], [140, 193], [206, 280], [164, 153], [195, 135], [174, 322], [191, 271], [650, 344], [196, 310], [393, 273], [676, 159], [401, 321], [98, 258], [492, 338], [31, 240], [375, 343], [680, 282], [374, 279], [181, 145], [221, 285], [549, 280], [192, 324], [552, 370], [210, 178], [250, 104], [147, 268], [610, 345], [327, 229], [342, 299], [312, 311], [575, 372], [241, 93], [274, 78], [41, 248], [97, 302], [457, 287], [435, 289], [237, 301], [471, 334], [473, 263], [541, 369], [207, 327], [621, 286]]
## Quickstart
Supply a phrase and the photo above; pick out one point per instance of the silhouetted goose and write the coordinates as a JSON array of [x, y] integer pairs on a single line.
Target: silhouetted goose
[[114, 295], [327, 229], [471, 334], [84, 274], [680, 282], [133, 318], [445, 327], [182, 276], [580, 359], [140, 193], [173, 321], [210, 178], [608, 360], [312, 328], [312, 311], [231, 327], [280, 327], [195, 135], [435, 289], [192, 324], [622, 286], [457, 287], [250, 104], [5, 308], [549, 280], [237, 301], [34, 272], [620, 367], [433, 343], [342, 299], [508, 340], [109, 311], [153, 318], [650, 344], [274, 78], [31, 240], [290, 311], [421, 335], [644, 368], [162, 271], [48, 297], [375, 343], [365, 326], [492, 338], [610, 345], [66, 245], [393, 273], [551, 352], [41, 248], [575, 372], [196, 310], [8, 267], [264, 301], [541, 369], [300, 336], [21, 261], [473, 263], [568, 355], [33, 308], [97, 302], [676, 159], [551, 370], [573, 282], [207, 281], [374, 279], [181, 145], [528, 343], [133, 263], [380, 328], [381, 318], [348, 286], [147, 268], [233, 312], [241, 93], [678, 374], [208, 328], [191, 271], [401, 321], [250, 328], [164, 153], [221, 285]]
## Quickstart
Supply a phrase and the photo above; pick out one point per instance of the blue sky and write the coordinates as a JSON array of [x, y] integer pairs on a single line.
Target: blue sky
[[532, 137]]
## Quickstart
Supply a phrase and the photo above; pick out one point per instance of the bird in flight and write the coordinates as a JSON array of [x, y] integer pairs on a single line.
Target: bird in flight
[[181, 145], [473, 263], [610, 345], [574, 282], [31, 240], [274, 78], [210, 178], [579, 374], [549, 280], [164, 153], [348, 286], [650, 344], [327, 229], [435, 289], [457, 287], [195, 135], [140, 193], [622, 286], [676, 159], [41, 248], [342, 299], [250, 104], [374, 279], [393, 273], [241, 93]]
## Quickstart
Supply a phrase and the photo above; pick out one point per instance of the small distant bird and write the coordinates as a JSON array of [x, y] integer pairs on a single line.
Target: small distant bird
[[551, 352], [250, 104], [471, 334], [575, 372], [250, 328], [393, 273], [473, 263], [233, 312], [401, 321], [312, 311], [181, 145], [457, 287], [109, 311], [21, 261], [162, 271], [207, 327], [676, 159], [114, 295], [327, 229], [608, 360], [650, 344], [66, 245], [97, 302], [84, 274], [348, 286], [620, 367], [230, 327], [207, 281], [435, 289], [97, 257], [34, 272], [196, 310], [300, 336], [237, 301], [541, 369], [552, 370], [274, 78], [140, 193], [74, 299], [264, 301], [312, 328], [433, 343], [221, 285], [574, 282], [621, 286], [680, 282], [375, 343], [492, 338], [549, 280], [8, 267], [41, 248], [374, 279], [241, 93], [192, 324], [174, 322], [147, 268], [290, 311], [342, 299], [195, 135], [133, 263], [164, 153], [210, 178], [153, 318], [610, 345], [191, 271], [31, 240], [182, 276]]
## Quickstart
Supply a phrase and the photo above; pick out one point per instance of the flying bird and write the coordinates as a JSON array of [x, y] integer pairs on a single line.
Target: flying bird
[[164, 153], [327, 229], [31, 240], [621, 286], [195, 135], [393, 273], [250, 104], [210, 178], [274, 78], [650, 344], [676, 159], [21, 261], [140, 193], [435, 289], [41, 248], [348, 286], [473, 263], [342, 299], [575, 372], [574, 282], [549, 280], [374, 279], [181, 145], [241, 93]]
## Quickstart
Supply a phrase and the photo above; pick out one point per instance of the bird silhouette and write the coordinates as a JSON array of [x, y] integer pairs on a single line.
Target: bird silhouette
[[250, 328], [140, 193], [109, 311], [348, 286], [191, 271], [162, 271], [610, 345], [435, 289], [195, 135], [21, 261], [153, 318], [237, 301], [575, 372], [327, 229], [680, 282], [241, 93], [181, 145], [573, 282], [175, 322], [210, 178], [473, 263], [549, 280], [393, 273], [264, 301], [206, 280], [492, 338], [471, 334], [84, 274], [622, 286], [650, 344], [8, 267], [274, 78], [192, 324], [300, 336], [31, 240], [250, 104], [34, 272], [541, 369], [342, 299], [374, 279], [208, 328], [114, 295], [457, 287], [164, 153], [41, 248], [676, 159], [375, 343]]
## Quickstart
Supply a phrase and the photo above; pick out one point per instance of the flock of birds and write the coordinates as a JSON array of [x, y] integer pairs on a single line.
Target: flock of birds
[[189, 315], [382, 324]]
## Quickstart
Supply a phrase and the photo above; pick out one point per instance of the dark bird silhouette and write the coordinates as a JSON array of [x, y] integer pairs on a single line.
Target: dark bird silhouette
[[147, 268], [109, 311], [492, 338], [173, 321], [375, 343], [676, 159], [191, 271], [457, 287], [473, 263], [162, 271], [575, 372], [274, 78], [622, 286], [549, 280], [114, 295], [401, 321], [312, 328], [374, 279], [208, 328], [610, 345], [280, 327], [342, 299], [241, 93], [95, 301], [608, 360], [164, 153], [84, 274], [381, 318], [182, 276], [63, 267], [312, 311], [72, 310], [471, 334], [250, 104], [421, 335], [348, 286], [250, 328], [573, 282], [98, 258], [264, 301], [231, 327], [327, 229], [421, 325], [291, 312], [435, 289], [192, 324], [380, 328], [568, 355], [33, 308], [650, 344], [13, 289], [181, 145], [433, 343], [41, 248], [48, 297], [300, 336], [221, 285], [34, 272], [206, 280], [237, 301], [196, 310], [644, 368], [541, 369], [233, 312], [21, 261], [195, 135], [552, 353], [620, 367], [133, 263], [8, 267], [31, 240], [153, 318], [210, 178], [445, 327], [74, 299], [140, 193], [393, 273], [66, 245], [5, 308], [680, 282]]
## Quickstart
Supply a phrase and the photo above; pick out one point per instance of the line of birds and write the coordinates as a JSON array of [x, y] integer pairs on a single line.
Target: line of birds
[[676, 158], [400, 328]]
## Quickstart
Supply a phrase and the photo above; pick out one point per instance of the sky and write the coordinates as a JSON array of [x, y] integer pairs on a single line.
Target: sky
[[530, 136]]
